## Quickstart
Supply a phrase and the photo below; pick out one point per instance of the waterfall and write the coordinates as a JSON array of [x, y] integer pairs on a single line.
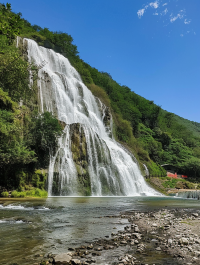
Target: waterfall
[[146, 170], [88, 160]]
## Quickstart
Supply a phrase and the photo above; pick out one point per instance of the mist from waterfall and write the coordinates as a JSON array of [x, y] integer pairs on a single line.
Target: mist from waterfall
[[112, 170]]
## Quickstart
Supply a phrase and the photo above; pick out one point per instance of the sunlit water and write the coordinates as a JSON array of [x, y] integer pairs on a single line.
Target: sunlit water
[[29, 228]]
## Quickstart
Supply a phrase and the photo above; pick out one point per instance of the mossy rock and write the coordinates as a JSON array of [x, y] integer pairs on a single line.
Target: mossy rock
[[80, 158]]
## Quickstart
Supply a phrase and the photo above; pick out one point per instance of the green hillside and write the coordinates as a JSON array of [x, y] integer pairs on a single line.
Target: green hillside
[[192, 126], [155, 136]]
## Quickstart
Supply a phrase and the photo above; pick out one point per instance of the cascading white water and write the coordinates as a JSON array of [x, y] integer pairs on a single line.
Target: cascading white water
[[112, 170]]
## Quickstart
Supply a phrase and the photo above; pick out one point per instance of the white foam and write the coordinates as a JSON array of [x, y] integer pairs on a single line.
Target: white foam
[[20, 207]]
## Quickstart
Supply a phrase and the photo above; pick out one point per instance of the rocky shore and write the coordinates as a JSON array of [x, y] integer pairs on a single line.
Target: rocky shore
[[154, 237]]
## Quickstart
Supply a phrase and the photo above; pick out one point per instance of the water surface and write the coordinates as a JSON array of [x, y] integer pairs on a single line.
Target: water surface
[[29, 228]]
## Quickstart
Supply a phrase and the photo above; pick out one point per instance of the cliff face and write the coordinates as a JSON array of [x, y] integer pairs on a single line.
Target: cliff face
[[80, 158]]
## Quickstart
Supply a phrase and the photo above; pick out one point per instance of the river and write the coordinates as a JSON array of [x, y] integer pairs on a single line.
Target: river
[[34, 227]]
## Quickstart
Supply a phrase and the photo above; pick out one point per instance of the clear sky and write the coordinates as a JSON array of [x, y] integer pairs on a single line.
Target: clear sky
[[153, 47]]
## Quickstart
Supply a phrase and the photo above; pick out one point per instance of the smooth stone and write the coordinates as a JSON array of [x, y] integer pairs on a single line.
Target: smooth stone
[[197, 253], [183, 241], [170, 241], [195, 214], [158, 249], [62, 258]]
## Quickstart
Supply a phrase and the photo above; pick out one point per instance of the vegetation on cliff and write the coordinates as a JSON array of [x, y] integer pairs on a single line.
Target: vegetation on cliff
[[155, 136], [26, 137]]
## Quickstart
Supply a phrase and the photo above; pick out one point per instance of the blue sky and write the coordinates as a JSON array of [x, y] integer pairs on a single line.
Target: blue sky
[[153, 47]]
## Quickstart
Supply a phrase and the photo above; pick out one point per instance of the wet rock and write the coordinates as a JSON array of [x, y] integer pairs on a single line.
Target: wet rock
[[195, 214], [136, 229], [136, 235], [169, 241], [158, 249], [183, 241], [71, 249], [90, 246], [98, 249], [76, 261]]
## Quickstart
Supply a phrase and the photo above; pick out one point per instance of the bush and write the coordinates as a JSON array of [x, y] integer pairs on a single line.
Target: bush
[[14, 194], [156, 170], [5, 194], [38, 192]]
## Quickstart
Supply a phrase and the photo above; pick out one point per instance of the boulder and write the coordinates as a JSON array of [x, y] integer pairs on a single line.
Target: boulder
[[195, 214], [63, 258]]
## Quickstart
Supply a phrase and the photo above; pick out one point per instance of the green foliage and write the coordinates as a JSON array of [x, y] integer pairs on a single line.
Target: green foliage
[[30, 193], [100, 93], [26, 138], [10, 23], [156, 170], [5, 194], [177, 183], [14, 73], [45, 131], [192, 167], [14, 194]]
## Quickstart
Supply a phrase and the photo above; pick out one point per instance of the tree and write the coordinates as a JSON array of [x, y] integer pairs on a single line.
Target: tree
[[10, 23], [44, 132]]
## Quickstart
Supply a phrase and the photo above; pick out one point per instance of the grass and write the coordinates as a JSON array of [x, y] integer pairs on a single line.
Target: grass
[[188, 223]]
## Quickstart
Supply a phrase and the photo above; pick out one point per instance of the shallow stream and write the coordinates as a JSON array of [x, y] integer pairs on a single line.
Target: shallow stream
[[30, 228]]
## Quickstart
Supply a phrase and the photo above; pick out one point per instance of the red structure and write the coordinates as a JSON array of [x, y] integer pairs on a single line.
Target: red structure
[[184, 176], [175, 176], [171, 175]]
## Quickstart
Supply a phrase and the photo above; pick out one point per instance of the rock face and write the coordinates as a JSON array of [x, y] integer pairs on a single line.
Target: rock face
[[80, 157], [22, 47], [78, 147]]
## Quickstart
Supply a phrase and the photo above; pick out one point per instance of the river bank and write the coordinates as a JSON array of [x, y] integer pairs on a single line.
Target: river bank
[[167, 185], [151, 237]]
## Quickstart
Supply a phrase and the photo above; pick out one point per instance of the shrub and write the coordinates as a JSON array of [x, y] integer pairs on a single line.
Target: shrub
[[38, 192], [5, 194], [14, 194]]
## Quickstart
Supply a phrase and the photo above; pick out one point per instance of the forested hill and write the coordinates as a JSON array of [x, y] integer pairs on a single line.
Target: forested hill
[[193, 126], [154, 135]]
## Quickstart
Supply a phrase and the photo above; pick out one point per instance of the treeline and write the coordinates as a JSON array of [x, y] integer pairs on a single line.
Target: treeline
[[156, 136]]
